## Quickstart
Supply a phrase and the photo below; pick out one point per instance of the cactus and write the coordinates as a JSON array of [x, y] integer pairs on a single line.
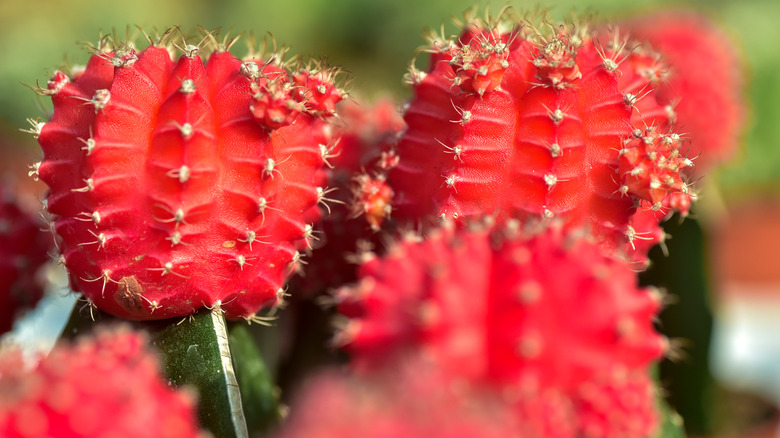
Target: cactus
[[108, 384], [528, 123], [23, 251], [546, 319], [179, 185]]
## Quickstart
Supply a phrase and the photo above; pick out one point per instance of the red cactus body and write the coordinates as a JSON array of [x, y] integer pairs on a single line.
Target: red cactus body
[[178, 185], [547, 319], [705, 81], [109, 385], [520, 125], [23, 250], [410, 403]]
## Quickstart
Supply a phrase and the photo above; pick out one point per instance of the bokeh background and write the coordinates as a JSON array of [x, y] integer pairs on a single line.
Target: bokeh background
[[723, 263]]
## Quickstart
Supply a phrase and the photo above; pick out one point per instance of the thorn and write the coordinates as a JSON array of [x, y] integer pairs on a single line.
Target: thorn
[[99, 99], [270, 167], [187, 86], [101, 240], [36, 125], [251, 70], [175, 238], [327, 152], [309, 235], [153, 304], [88, 188], [182, 174], [88, 303], [250, 237], [167, 268], [89, 145], [456, 150], [551, 180], [260, 320], [241, 260], [632, 235], [33, 173], [555, 150], [450, 180], [321, 199], [178, 215], [106, 277], [186, 130], [94, 217]]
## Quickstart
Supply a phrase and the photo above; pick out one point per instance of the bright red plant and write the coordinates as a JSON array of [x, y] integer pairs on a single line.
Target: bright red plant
[[554, 325], [176, 185], [108, 385], [532, 123]]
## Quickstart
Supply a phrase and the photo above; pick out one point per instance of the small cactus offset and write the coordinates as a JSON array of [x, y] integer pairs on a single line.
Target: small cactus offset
[[558, 328], [520, 120], [104, 385], [179, 184]]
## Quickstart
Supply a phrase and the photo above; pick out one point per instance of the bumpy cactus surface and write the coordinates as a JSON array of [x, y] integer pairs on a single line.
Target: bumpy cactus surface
[[108, 385], [548, 320], [23, 250], [523, 122], [179, 184]]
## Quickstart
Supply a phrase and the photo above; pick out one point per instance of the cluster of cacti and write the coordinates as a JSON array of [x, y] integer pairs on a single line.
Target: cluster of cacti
[[106, 385], [493, 230]]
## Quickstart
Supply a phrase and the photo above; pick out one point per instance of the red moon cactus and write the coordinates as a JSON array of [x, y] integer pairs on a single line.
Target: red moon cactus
[[179, 184]]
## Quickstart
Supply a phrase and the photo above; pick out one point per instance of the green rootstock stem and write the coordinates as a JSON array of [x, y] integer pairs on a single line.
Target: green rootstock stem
[[671, 422], [259, 395], [683, 274], [236, 394]]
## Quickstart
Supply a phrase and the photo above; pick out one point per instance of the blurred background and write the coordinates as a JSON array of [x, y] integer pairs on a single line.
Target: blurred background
[[722, 263]]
